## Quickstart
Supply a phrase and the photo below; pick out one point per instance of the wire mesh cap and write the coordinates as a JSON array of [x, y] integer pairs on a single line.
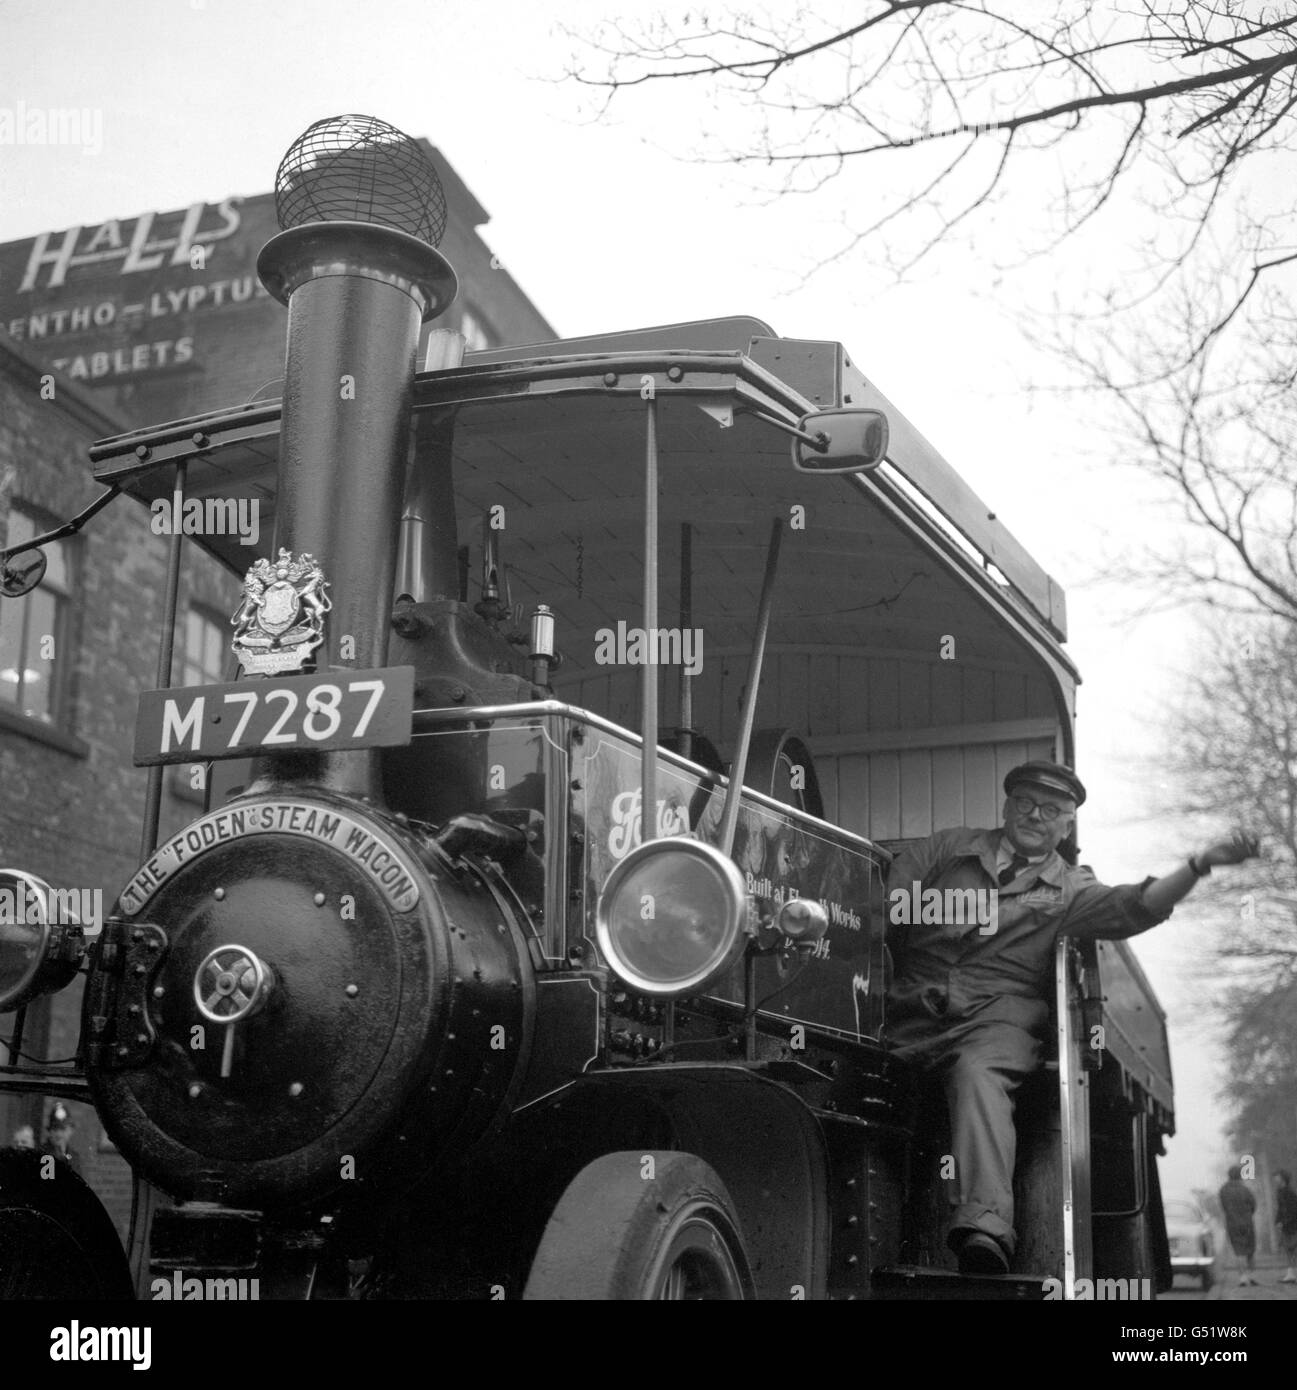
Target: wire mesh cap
[[360, 169]]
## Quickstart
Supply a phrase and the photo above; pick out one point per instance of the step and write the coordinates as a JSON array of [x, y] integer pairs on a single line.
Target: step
[[922, 1281]]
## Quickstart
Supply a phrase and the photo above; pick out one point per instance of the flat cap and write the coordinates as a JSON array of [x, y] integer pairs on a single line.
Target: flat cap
[[1044, 774]]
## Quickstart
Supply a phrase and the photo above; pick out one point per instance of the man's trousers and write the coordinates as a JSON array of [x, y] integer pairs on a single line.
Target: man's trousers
[[982, 1065]]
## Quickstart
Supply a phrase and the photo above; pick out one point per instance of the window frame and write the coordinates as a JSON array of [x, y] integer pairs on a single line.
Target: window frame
[[220, 621], [59, 724], [178, 781]]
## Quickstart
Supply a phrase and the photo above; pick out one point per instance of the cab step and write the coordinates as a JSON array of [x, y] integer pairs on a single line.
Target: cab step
[[922, 1281]]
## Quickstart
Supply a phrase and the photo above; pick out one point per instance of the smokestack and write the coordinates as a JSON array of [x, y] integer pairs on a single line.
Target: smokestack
[[362, 210]]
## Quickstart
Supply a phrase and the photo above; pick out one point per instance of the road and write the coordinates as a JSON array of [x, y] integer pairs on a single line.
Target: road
[[1267, 1289]]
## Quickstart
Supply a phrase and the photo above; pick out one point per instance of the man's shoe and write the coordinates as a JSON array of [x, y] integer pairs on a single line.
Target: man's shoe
[[1290, 1277], [982, 1254]]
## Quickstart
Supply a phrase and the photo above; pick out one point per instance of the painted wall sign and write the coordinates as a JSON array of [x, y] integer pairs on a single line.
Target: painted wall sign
[[114, 301], [780, 856], [151, 242]]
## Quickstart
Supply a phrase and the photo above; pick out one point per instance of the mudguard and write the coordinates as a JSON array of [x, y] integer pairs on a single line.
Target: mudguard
[[56, 1239], [764, 1143]]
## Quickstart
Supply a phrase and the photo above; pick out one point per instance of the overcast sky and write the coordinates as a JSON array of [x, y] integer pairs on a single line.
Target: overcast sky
[[606, 225]]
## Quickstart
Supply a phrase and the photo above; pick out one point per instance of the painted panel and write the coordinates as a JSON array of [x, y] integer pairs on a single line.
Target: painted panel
[[979, 697], [982, 795], [853, 782], [916, 694], [884, 817], [915, 769], [839, 985], [947, 789], [823, 717], [1010, 695], [947, 693], [827, 771], [884, 693], [856, 711]]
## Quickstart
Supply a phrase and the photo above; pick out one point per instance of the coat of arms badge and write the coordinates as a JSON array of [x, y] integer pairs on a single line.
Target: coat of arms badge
[[280, 621]]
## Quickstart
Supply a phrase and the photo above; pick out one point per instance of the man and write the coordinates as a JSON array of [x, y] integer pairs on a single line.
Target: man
[[1239, 1206], [58, 1137], [969, 996]]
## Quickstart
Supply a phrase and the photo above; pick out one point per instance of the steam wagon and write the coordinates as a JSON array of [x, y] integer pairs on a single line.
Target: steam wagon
[[533, 940]]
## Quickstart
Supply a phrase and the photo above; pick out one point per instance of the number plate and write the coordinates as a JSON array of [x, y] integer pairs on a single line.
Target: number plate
[[330, 709]]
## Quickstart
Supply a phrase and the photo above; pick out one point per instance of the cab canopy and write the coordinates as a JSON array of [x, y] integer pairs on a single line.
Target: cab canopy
[[913, 645]]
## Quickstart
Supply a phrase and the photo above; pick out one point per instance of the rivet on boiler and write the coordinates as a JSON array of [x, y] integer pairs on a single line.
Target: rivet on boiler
[[296, 1089], [352, 991], [219, 894], [319, 900]]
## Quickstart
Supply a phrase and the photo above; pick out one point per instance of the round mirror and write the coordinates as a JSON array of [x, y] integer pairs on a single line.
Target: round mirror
[[21, 573]]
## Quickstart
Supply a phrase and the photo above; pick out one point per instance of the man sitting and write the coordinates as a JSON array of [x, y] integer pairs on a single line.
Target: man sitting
[[969, 998]]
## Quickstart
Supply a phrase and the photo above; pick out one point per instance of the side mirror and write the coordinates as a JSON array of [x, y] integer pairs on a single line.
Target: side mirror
[[21, 573], [850, 440]]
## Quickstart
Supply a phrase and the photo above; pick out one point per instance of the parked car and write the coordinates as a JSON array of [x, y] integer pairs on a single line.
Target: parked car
[[1193, 1247]]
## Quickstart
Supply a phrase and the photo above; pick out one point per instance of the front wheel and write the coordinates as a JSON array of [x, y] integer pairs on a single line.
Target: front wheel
[[637, 1226]]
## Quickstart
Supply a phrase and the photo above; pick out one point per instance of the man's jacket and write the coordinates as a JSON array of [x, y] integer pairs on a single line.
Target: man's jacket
[[949, 971]]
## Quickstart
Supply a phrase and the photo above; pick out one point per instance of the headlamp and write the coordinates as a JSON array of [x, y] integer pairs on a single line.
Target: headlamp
[[671, 917], [803, 921], [37, 955]]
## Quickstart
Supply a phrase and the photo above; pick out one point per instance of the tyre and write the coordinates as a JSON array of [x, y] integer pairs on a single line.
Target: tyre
[[636, 1226], [56, 1240]]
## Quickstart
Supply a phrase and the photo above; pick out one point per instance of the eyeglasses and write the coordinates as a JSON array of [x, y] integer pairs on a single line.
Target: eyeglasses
[[1024, 806]]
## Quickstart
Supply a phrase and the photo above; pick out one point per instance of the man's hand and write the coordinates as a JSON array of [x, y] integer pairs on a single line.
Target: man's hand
[[1162, 894], [1235, 850]]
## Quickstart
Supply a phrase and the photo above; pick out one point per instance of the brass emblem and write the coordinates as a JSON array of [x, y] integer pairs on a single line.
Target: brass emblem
[[280, 622]]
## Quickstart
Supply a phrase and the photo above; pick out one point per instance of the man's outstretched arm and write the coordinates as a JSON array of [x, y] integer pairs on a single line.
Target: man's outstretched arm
[[1162, 894]]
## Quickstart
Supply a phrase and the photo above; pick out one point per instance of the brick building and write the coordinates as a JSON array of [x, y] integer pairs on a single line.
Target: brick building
[[106, 327]]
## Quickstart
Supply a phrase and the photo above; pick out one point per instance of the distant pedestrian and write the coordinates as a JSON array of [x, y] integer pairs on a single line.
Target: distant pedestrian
[[1285, 1201], [1238, 1204], [24, 1137]]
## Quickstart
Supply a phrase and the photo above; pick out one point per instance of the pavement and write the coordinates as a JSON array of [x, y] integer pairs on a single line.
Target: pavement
[[1267, 1289]]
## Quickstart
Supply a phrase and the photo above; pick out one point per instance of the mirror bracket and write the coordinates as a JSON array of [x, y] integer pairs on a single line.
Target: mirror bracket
[[14, 582]]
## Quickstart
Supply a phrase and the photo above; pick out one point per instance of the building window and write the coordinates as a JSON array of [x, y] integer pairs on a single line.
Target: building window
[[476, 337], [207, 638], [34, 656], [202, 662]]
